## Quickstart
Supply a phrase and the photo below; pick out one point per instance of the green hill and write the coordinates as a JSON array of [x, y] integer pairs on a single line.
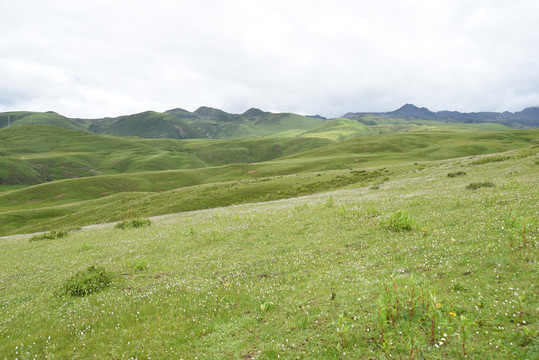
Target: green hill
[[36, 154], [150, 125]]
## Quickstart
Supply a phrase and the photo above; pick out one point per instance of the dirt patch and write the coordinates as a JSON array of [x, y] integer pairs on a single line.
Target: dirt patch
[[59, 196]]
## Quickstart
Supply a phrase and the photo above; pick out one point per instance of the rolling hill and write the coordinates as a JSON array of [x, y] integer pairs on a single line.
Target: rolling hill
[[41, 153]]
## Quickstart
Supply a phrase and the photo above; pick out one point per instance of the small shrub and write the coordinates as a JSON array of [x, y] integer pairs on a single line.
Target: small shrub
[[56, 234], [399, 221], [478, 185], [456, 174], [87, 281], [135, 223]]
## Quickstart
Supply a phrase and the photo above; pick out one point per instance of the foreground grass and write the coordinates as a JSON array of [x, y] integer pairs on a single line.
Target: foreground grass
[[312, 277]]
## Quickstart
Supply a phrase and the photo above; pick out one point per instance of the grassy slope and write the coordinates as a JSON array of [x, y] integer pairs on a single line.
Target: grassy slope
[[20, 118], [340, 129], [150, 125], [259, 124], [431, 145], [35, 154], [297, 278], [44, 207]]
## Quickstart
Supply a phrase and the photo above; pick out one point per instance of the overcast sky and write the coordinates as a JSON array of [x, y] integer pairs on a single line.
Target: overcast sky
[[108, 58]]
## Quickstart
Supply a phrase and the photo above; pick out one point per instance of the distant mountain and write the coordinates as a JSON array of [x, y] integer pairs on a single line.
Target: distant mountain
[[210, 123], [527, 118], [205, 122]]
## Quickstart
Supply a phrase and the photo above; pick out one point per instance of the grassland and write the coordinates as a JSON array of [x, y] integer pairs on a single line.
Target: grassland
[[320, 276], [298, 166]]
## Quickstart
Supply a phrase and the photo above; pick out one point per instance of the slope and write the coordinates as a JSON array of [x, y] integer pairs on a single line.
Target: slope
[[319, 277], [69, 203]]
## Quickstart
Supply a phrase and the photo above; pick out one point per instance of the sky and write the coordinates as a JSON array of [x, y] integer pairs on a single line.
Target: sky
[[97, 58]]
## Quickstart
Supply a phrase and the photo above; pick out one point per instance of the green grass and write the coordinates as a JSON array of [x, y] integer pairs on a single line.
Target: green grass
[[310, 277]]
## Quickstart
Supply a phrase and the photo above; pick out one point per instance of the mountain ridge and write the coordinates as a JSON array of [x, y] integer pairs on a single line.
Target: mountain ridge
[[528, 117], [211, 123]]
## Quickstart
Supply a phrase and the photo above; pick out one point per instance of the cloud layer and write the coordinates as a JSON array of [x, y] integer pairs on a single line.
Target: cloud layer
[[107, 58]]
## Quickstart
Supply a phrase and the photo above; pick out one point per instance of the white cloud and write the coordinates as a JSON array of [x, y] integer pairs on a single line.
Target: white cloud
[[103, 58]]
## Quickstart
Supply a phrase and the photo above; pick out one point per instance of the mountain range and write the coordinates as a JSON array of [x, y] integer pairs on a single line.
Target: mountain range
[[529, 117], [207, 122]]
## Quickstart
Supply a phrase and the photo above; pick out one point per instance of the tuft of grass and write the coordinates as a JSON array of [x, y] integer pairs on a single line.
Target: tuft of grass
[[138, 264], [51, 235], [88, 281], [399, 221], [478, 185], [456, 174], [131, 224]]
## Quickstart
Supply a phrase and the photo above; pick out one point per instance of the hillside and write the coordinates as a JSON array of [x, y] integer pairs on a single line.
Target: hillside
[[302, 166], [38, 153], [340, 129], [422, 265], [205, 122]]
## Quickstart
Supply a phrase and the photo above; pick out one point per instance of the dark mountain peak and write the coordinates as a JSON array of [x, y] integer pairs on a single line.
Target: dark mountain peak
[[317, 117], [410, 111], [408, 107], [253, 112]]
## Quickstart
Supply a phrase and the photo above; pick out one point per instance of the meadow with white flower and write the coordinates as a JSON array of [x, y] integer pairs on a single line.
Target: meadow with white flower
[[419, 265]]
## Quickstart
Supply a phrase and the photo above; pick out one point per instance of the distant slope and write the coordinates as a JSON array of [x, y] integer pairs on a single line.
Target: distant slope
[[19, 118], [527, 118], [178, 123], [39, 153], [424, 145], [218, 124], [149, 124], [340, 129]]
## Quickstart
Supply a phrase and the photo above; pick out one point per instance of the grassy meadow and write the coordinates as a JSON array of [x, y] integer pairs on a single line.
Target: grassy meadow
[[433, 259]]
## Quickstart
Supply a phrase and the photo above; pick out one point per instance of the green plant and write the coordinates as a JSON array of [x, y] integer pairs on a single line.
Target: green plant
[[343, 327], [266, 306], [464, 328], [55, 234], [399, 221], [88, 281], [135, 223], [478, 185]]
